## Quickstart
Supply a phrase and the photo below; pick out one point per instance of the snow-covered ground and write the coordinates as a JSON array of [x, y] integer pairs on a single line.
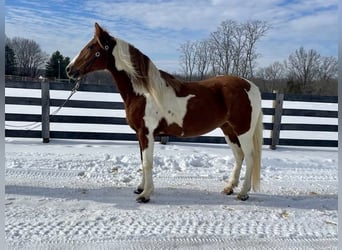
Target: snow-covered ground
[[72, 194], [79, 195]]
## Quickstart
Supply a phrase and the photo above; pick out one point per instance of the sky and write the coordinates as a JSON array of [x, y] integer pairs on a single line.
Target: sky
[[159, 27]]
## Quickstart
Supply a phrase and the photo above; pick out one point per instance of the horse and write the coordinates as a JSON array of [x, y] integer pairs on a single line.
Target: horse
[[156, 104]]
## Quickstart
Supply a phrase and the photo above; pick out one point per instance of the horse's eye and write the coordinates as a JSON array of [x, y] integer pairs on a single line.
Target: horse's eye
[[91, 46]]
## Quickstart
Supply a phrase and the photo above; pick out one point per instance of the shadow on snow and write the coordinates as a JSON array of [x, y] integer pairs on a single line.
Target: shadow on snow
[[124, 198]]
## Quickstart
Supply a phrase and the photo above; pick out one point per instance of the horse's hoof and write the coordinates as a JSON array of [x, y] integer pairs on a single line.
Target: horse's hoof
[[138, 191], [142, 200], [243, 197], [227, 191]]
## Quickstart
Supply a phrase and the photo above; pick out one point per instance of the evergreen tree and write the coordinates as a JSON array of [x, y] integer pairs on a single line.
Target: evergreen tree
[[10, 63], [55, 67]]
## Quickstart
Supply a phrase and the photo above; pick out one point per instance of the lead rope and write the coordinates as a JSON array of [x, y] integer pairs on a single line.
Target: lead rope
[[34, 125]]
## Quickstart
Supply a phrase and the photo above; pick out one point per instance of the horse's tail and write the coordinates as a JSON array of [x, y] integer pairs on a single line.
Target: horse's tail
[[257, 147]]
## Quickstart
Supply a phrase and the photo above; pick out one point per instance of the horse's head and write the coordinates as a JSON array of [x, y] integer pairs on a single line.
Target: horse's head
[[94, 56]]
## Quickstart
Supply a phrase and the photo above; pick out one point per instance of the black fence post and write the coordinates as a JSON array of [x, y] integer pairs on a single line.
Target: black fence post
[[164, 139], [45, 87]]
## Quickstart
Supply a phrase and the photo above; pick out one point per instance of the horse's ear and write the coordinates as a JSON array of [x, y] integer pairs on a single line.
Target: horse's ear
[[98, 32]]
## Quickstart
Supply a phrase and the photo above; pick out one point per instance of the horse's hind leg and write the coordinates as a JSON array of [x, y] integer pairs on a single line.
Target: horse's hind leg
[[234, 144], [246, 141]]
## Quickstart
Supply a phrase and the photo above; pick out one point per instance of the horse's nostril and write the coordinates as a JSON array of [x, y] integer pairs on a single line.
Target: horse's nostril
[[67, 69]]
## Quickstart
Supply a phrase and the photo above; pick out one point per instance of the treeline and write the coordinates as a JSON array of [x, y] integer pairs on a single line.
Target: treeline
[[231, 49], [305, 71], [24, 57]]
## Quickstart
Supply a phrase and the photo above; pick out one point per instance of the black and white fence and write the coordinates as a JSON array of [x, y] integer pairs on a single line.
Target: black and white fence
[[275, 115]]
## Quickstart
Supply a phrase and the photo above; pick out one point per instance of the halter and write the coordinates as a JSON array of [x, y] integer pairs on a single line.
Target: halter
[[96, 55]]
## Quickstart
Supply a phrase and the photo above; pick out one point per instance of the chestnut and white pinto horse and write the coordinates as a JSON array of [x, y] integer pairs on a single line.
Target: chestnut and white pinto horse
[[156, 103]]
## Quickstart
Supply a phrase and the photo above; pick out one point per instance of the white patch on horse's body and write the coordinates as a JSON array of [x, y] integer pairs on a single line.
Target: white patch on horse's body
[[163, 102], [123, 57], [172, 109], [161, 99]]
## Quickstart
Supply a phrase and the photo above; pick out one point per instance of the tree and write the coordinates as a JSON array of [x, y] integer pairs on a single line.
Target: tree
[[29, 56], [188, 58], [272, 74], [202, 57], [55, 67], [222, 46], [303, 66], [231, 49], [305, 71], [275, 71], [10, 64], [328, 68], [254, 31]]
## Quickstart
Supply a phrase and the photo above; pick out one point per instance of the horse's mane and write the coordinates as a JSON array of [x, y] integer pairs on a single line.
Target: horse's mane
[[145, 76]]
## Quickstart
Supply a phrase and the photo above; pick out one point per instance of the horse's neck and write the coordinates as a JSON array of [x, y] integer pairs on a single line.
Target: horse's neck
[[128, 91], [123, 84]]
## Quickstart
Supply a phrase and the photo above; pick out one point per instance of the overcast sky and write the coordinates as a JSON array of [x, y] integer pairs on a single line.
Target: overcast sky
[[159, 27]]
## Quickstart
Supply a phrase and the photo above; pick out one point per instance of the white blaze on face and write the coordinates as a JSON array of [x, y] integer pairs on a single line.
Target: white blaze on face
[[73, 60]]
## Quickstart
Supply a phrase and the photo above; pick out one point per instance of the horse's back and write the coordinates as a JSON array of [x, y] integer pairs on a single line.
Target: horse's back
[[227, 81]]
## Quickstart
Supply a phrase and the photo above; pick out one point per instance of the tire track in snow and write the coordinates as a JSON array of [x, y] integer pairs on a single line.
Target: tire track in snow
[[34, 173], [92, 234], [189, 227], [219, 243], [41, 218]]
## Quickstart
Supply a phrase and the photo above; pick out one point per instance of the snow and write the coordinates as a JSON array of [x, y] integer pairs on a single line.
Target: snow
[[74, 194], [77, 194]]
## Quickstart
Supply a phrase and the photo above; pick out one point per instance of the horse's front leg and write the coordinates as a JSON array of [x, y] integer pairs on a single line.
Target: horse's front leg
[[140, 188], [146, 187]]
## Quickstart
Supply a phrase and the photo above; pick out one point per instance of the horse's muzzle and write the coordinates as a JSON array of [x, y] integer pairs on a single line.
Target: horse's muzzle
[[73, 74]]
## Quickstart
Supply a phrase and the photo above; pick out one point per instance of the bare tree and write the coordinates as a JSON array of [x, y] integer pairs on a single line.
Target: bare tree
[[29, 56], [202, 57], [222, 46], [303, 65], [231, 49], [235, 46], [188, 58], [274, 73], [328, 68], [239, 48], [254, 31]]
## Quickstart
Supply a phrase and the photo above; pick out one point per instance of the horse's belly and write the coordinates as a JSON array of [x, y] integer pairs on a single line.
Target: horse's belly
[[202, 122]]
